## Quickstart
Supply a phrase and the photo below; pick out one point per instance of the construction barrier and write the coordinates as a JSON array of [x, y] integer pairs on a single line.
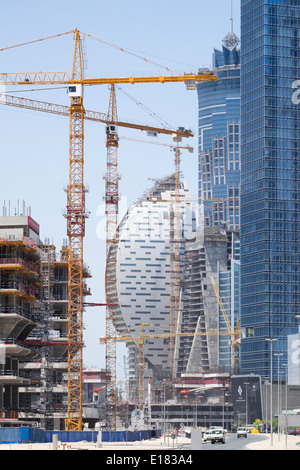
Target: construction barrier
[[107, 436], [26, 435], [72, 436], [22, 435]]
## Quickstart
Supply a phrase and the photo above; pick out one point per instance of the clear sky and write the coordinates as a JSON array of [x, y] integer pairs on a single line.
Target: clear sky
[[34, 146]]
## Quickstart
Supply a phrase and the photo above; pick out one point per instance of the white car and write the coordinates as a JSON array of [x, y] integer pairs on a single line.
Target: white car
[[241, 432], [217, 435], [207, 435]]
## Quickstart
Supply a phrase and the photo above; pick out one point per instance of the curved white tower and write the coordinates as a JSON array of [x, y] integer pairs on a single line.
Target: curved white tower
[[143, 265]]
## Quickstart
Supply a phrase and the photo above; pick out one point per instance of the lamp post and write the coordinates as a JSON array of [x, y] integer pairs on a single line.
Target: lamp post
[[164, 409], [286, 403], [196, 417], [278, 392], [246, 383], [266, 406], [271, 341], [225, 394]]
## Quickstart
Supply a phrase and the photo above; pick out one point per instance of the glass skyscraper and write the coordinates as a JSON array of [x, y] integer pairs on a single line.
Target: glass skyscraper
[[219, 175], [270, 179], [219, 138]]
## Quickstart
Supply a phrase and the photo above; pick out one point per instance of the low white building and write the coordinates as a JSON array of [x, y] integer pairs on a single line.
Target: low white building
[[294, 359]]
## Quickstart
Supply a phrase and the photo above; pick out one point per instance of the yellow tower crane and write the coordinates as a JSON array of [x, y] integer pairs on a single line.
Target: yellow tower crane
[[111, 210], [111, 195], [141, 342], [75, 214], [75, 210]]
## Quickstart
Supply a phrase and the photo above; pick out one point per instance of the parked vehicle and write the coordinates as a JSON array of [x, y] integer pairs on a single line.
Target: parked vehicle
[[293, 431], [241, 432]]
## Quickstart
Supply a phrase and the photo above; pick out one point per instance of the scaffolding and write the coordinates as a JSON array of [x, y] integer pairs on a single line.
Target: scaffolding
[[47, 257]]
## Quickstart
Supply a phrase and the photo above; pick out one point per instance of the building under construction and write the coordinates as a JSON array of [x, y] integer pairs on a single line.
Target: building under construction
[[33, 326], [144, 276], [214, 254]]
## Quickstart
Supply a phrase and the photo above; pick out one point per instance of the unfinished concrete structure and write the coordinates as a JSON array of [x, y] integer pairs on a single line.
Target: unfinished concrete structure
[[33, 326], [207, 254], [19, 305]]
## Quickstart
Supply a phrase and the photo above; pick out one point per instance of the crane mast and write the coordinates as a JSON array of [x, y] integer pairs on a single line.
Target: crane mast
[[175, 253], [111, 210], [75, 214], [176, 259]]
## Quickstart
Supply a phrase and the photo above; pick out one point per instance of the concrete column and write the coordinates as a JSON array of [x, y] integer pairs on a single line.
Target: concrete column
[[99, 439], [54, 441]]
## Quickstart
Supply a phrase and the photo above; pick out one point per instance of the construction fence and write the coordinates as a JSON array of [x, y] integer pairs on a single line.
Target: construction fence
[[26, 435]]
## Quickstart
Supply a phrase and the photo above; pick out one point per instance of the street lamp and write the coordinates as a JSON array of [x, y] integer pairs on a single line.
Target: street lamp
[[196, 417], [286, 403], [225, 394], [278, 392], [266, 407], [271, 341], [164, 408], [246, 383]]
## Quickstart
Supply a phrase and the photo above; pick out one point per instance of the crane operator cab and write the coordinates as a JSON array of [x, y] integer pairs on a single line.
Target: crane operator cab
[[75, 91], [111, 129]]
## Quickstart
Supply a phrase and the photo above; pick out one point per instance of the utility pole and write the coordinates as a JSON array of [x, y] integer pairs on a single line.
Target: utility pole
[[271, 341], [278, 391]]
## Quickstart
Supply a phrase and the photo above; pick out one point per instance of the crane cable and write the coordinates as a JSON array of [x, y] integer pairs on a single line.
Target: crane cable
[[158, 118], [92, 37], [36, 40], [128, 52]]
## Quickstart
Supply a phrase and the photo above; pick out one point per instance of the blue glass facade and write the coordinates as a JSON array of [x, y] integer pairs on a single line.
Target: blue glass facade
[[270, 178], [219, 139]]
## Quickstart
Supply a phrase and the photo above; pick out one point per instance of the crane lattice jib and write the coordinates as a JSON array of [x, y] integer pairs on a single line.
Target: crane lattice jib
[[61, 110], [167, 335], [62, 78]]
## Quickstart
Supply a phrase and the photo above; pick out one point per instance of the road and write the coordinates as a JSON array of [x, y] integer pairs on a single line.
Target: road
[[233, 443]]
